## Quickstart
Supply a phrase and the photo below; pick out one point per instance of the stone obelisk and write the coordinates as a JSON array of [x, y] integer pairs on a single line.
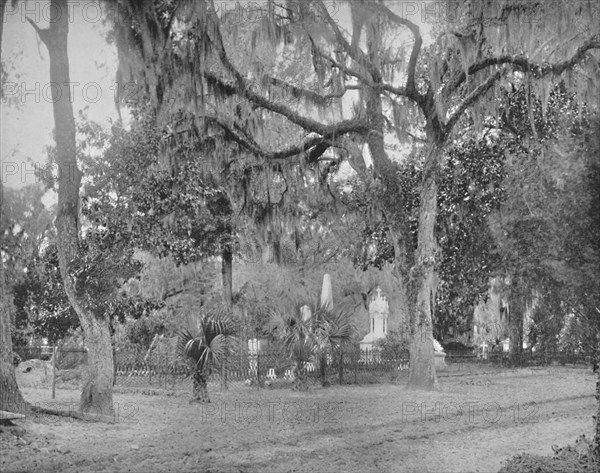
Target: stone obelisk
[[327, 293]]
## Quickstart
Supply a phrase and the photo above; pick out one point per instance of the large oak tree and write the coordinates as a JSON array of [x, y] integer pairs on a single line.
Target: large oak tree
[[376, 58], [377, 54]]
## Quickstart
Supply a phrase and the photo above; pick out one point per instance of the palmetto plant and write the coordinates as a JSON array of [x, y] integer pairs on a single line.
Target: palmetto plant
[[314, 339], [207, 346]]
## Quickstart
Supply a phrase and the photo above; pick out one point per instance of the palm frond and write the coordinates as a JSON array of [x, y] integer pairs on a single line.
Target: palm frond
[[326, 330], [212, 340]]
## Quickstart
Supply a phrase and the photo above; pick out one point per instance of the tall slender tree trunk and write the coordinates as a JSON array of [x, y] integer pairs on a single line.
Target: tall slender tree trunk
[[423, 279], [323, 369], [276, 249], [227, 274], [10, 397], [597, 417], [96, 397], [515, 321]]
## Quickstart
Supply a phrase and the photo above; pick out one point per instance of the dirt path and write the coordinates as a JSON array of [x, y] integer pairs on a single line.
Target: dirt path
[[473, 424]]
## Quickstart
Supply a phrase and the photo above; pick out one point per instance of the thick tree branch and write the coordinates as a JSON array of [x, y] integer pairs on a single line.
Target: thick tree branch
[[354, 52], [415, 96], [44, 34], [243, 88], [522, 63], [416, 49], [299, 92], [313, 146], [308, 124], [473, 97], [347, 70]]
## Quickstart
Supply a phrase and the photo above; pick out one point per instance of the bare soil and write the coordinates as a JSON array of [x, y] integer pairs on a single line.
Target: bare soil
[[471, 425]]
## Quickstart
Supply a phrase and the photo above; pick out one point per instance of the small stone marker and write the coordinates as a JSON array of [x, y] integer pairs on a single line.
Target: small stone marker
[[306, 313], [289, 375]]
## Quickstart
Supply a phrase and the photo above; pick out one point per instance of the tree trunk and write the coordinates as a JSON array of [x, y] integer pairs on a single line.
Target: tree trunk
[[2, 8], [227, 274], [276, 250], [10, 396], [423, 279], [98, 389], [300, 377], [515, 325], [200, 387], [323, 368], [597, 416], [341, 367], [11, 399]]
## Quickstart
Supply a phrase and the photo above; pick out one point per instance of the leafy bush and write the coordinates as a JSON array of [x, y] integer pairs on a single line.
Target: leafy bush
[[394, 346], [566, 460]]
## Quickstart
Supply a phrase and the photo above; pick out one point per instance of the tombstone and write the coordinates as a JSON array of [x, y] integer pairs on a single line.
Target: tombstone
[[439, 354], [327, 293], [379, 312], [484, 351], [289, 375], [306, 313], [253, 346]]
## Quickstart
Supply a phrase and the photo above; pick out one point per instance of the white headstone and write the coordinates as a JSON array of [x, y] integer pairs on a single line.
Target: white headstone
[[306, 313], [379, 311], [253, 346]]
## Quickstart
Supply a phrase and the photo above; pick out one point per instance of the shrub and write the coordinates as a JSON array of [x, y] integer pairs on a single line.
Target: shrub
[[395, 346], [565, 460]]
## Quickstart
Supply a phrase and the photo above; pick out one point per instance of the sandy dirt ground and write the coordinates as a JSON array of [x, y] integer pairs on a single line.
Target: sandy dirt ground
[[471, 425]]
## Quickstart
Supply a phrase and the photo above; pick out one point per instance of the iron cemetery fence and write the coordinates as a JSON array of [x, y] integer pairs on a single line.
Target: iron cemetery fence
[[268, 367]]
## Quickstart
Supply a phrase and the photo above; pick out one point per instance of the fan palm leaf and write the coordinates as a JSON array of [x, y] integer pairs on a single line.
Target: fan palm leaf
[[313, 339], [208, 345]]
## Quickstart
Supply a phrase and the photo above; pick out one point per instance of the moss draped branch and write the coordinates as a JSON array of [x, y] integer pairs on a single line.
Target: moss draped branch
[[299, 92], [473, 97], [410, 88], [314, 147], [354, 52], [346, 126], [522, 63]]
